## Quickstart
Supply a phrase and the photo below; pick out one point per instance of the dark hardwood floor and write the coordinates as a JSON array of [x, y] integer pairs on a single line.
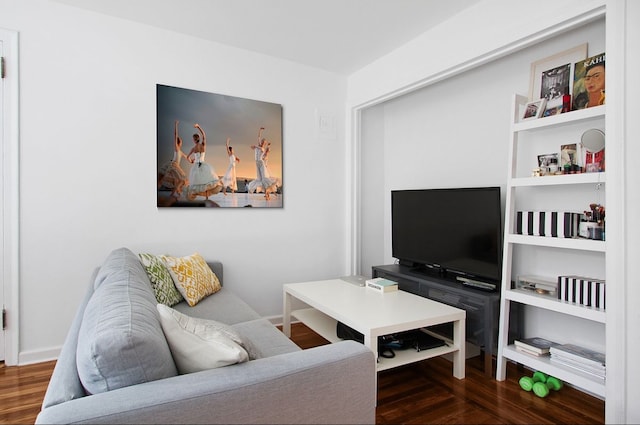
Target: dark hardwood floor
[[422, 393]]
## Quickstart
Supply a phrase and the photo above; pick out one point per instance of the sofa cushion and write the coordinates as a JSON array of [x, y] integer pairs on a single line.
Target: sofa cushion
[[120, 341], [225, 306], [192, 276], [200, 344], [163, 287]]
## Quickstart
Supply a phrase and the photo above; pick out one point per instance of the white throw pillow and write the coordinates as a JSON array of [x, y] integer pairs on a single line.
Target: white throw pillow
[[199, 344]]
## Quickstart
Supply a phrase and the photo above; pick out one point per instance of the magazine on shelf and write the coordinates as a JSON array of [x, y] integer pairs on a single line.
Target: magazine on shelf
[[578, 367], [580, 354], [589, 72], [579, 364], [536, 344]]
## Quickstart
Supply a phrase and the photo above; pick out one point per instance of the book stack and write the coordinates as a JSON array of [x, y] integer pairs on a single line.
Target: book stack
[[586, 291], [534, 346], [580, 358], [382, 285]]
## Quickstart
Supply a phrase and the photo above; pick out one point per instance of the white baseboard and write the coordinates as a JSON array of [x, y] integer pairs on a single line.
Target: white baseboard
[[275, 320], [38, 356]]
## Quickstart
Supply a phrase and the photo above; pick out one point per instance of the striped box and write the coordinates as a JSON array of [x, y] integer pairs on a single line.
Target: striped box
[[553, 224], [586, 291]]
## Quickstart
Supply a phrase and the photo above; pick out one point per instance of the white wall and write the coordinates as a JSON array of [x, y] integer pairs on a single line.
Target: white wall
[[87, 169], [450, 134], [372, 189], [484, 29]]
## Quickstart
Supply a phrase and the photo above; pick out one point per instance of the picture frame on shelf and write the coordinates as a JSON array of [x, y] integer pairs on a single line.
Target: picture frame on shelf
[[553, 107], [533, 109], [548, 163], [556, 82], [569, 156], [569, 56]]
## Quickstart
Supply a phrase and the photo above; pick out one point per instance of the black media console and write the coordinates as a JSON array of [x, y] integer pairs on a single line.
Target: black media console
[[482, 307]]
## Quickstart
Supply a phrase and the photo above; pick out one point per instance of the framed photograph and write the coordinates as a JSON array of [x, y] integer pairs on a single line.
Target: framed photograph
[[548, 163], [561, 59], [533, 110], [216, 150], [569, 155], [553, 107]]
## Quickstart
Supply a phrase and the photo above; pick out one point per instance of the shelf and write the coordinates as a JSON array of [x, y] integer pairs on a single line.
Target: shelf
[[548, 303], [409, 356], [565, 243], [566, 374], [568, 179], [569, 190], [320, 323], [325, 326], [566, 118]]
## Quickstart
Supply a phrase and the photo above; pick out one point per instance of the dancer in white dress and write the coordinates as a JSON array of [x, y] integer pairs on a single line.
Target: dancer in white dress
[[262, 182], [273, 188], [229, 179], [171, 175], [203, 180]]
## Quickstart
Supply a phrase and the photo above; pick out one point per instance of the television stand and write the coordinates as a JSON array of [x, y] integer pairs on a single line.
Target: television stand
[[482, 306]]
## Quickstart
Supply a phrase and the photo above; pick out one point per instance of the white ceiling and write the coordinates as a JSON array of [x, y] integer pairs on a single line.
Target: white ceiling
[[340, 36]]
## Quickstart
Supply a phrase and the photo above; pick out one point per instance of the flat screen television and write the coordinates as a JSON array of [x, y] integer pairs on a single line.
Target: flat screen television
[[455, 232]]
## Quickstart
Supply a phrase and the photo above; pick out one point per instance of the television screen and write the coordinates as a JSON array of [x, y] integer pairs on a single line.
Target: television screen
[[455, 231]]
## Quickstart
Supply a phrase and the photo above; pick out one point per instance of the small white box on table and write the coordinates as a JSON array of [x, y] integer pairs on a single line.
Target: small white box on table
[[380, 284]]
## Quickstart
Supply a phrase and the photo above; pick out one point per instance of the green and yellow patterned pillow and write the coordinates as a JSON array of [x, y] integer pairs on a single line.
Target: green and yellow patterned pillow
[[192, 276], [163, 287]]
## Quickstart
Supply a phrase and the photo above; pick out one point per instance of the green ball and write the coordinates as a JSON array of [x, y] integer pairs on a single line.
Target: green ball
[[540, 389], [526, 383]]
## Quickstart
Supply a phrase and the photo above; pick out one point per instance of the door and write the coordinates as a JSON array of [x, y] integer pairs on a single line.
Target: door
[[2, 211], [9, 197]]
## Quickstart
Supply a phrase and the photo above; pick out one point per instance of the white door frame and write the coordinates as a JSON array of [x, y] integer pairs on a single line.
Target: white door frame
[[9, 342]]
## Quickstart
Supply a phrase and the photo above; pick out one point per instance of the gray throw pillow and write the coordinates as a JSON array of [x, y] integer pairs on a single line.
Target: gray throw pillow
[[120, 342]]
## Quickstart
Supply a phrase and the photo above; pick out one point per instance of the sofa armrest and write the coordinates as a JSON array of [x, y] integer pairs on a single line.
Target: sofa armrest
[[329, 384]]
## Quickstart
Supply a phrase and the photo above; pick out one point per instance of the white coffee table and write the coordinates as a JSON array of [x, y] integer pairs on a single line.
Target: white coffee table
[[374, 314]]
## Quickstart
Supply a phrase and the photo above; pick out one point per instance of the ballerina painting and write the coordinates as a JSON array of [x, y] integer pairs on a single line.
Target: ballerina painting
[[190, 179]]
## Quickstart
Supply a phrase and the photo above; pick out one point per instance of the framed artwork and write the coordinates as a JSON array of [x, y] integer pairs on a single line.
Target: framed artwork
[[556, 82], [553, 107], [548, 163], [534, 109], [569, 155], [562, 59], [588, 84], [215, 150]]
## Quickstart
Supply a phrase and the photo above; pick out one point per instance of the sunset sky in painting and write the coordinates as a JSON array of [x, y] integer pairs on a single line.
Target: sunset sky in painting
[[220, 116]]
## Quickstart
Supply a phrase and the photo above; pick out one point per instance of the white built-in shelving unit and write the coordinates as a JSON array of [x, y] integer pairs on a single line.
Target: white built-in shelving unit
[[571, 192]]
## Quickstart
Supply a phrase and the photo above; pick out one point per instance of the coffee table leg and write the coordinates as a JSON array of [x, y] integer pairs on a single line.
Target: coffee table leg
[[459, 356], [286, 314], [373, 347]]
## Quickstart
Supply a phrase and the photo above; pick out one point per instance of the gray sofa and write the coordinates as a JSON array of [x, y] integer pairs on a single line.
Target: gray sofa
[[329, 384]]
